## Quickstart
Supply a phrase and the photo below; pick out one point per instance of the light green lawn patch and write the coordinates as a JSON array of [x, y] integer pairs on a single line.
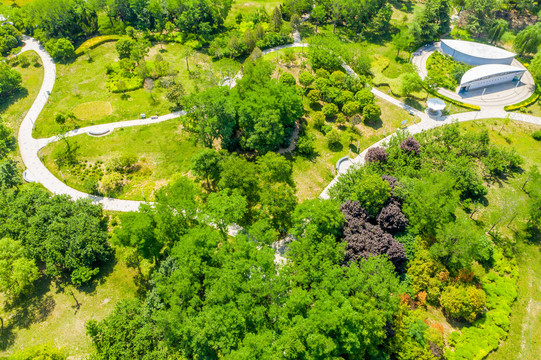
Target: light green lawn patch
[[14, 108], [19, 3], [534, 109], [163, 150], [82, 82], [93, 110], [50, 316], [247, 6]]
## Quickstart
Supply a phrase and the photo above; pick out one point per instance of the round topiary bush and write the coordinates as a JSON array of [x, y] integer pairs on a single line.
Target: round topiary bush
[[537, 135], [376, 154], [410, 145]]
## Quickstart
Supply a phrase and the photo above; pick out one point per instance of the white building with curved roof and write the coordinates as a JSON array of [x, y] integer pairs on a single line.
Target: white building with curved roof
[[473, 53], [489, 75]]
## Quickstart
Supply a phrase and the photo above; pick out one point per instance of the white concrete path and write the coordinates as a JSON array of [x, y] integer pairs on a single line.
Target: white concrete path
[[29, 147]]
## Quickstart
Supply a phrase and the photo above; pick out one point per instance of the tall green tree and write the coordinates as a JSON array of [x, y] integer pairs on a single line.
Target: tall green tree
[[10, 80], [17, 270], [206, 165], [528, 40]]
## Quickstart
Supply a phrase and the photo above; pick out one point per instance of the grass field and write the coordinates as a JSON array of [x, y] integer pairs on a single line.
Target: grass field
[[49, 315], [163, 150], [247, 6], [82, 83]]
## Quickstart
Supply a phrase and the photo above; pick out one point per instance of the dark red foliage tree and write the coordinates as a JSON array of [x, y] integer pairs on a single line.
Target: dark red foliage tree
[[410, 145], [376, 154], [391, 218], [365, 239], [352, 210]]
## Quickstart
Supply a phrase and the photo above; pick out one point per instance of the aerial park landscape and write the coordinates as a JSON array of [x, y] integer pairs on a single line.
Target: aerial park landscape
[[268, 179]]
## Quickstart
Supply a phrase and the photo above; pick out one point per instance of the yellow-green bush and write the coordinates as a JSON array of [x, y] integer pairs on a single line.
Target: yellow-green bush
[[95, 41], [529, 101]]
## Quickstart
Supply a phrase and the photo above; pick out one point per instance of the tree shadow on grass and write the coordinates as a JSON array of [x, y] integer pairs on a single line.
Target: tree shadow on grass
[[27, 310], [336, 147], [106, 269], [375, 124], [414, 104], [6, 102]]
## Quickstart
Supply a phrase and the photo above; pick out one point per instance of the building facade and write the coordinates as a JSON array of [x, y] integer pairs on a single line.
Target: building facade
[[489, 75]]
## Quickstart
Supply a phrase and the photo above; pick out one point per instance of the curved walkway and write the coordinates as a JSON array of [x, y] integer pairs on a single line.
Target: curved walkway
[[29, 146]]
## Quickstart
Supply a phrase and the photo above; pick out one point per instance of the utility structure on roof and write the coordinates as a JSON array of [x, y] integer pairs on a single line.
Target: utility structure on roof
[[473, 53]]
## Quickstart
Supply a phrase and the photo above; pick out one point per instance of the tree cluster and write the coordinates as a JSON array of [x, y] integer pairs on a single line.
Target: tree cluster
[[258, 115], [226, 298]]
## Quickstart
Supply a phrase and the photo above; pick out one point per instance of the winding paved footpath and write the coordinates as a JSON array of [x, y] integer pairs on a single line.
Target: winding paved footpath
[[29, 146]]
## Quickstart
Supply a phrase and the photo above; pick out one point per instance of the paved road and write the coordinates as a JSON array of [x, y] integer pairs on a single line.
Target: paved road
[[29, 146]]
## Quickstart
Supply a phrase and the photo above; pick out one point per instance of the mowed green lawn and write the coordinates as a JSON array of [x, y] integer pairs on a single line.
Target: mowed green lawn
[[81, 84], [50, 315], [163, 150]]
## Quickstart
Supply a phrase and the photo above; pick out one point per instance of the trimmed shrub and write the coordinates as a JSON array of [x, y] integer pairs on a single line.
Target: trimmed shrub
[[410, 145], [537, 135], [330, 110], [319, 119], [376, 154], [288, 79], [94, 42]]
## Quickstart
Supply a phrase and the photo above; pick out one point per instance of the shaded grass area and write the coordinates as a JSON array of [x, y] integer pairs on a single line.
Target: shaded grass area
[[83, 81], [162, 150], [50, 315]]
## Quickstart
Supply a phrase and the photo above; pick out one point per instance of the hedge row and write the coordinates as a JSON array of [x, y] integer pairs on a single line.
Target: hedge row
[[529, 101], [95, 41], [484, 336], [452, 101]]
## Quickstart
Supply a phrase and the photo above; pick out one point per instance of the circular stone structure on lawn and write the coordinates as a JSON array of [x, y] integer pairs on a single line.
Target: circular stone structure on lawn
[[473, 53]]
